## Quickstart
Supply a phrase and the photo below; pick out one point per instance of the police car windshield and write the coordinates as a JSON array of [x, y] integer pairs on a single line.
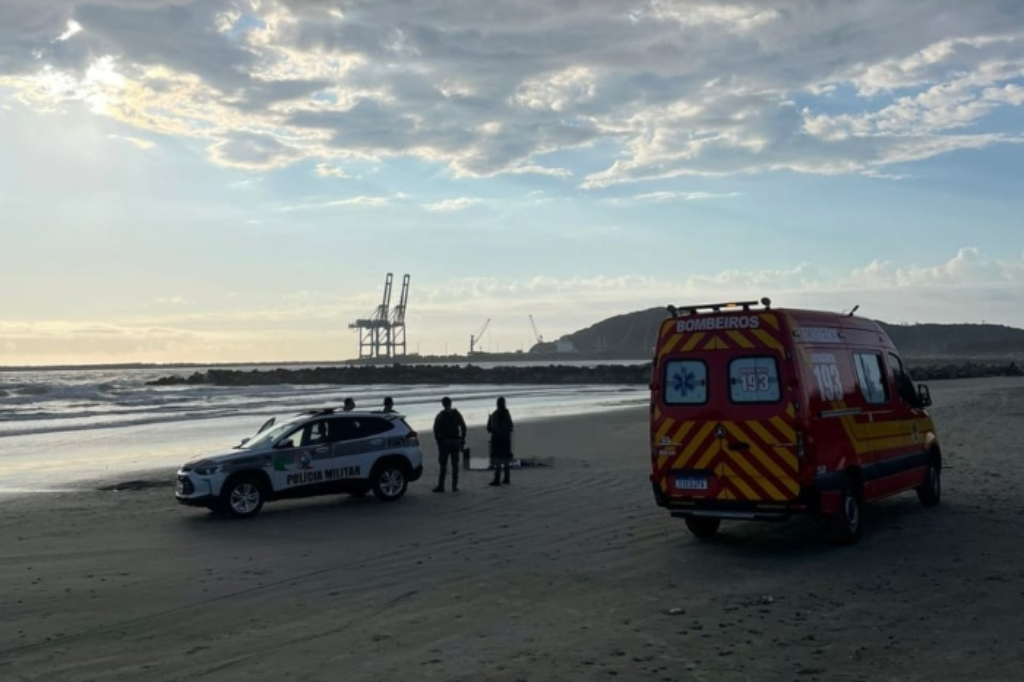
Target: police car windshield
[[268, 435]]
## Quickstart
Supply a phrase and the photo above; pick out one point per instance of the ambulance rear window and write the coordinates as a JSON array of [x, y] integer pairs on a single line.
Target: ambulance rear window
[[754, 380], [686, 382]]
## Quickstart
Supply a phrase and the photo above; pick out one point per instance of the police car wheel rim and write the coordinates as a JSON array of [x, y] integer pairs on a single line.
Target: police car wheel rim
[[244, 498], [391, 482]]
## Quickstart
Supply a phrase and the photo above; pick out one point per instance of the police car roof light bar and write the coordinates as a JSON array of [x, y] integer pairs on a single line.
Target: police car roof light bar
[[718, 307]]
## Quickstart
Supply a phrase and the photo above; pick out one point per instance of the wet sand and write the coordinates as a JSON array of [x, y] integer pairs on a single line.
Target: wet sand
[[570, 573]]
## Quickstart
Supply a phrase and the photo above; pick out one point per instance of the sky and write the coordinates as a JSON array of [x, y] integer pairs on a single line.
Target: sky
[[230, 181]]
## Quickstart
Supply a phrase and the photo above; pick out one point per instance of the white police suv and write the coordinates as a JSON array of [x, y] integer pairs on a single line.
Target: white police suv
[[317, 452]]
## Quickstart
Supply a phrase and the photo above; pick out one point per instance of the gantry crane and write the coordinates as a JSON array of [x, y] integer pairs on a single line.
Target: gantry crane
[[382, 332]]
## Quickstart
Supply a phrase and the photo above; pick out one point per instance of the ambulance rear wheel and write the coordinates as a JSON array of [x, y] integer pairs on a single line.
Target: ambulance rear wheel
[[703, 527], [929, 493], [848, 523]]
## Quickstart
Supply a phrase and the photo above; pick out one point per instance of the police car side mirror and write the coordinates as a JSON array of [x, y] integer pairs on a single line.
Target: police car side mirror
[[244, 441], [924, 396]]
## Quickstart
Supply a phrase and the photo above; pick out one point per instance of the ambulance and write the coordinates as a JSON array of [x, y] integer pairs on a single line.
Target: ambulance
[[762, 414]]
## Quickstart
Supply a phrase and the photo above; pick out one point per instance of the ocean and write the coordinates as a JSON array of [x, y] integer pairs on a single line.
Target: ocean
[[59, 427]]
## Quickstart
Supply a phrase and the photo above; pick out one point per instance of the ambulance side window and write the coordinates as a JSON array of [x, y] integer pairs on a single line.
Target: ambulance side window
[[754, 380], [871, 377], [686, 382], [904, 384]]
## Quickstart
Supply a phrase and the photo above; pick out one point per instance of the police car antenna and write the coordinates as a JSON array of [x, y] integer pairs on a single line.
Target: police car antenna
[[855, 309]]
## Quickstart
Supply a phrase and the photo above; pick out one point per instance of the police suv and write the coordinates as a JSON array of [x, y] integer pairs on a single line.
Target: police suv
[[317, 452]]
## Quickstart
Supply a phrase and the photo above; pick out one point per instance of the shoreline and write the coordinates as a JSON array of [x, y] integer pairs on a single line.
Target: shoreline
[[150, 477]]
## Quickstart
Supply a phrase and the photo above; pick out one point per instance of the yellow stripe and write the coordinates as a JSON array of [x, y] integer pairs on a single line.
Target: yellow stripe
[[784, 429], [706, 458], [685, 455], [740, 339], [768, 440], [665, 427], [772, 320], [773, 492], [761, 457], [692, 342], [667, 348], [684, 429], [744, 488], [767, 339]]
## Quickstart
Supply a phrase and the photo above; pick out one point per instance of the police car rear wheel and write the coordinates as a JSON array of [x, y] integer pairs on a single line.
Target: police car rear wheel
[[390, 482], [243, 497]]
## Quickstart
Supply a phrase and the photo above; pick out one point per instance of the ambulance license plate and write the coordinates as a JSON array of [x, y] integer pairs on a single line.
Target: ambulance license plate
[[691, 483]]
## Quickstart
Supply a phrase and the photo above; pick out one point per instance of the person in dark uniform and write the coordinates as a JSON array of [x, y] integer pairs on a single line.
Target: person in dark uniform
[[450, 434], [389, 405], [350, 405], [499, 425]]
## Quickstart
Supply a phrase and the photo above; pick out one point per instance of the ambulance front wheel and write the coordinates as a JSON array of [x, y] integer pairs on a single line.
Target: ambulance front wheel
[[703, 527]]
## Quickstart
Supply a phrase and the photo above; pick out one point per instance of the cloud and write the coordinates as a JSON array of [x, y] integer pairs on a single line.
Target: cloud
[[449, 205], [683, 196], [374, 202], [138, 142], [326, 170], [653, 89]]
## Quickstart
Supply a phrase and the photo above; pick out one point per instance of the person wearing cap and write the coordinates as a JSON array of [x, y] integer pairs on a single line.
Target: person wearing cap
[[389, 405], [450, 434], [350, 405]]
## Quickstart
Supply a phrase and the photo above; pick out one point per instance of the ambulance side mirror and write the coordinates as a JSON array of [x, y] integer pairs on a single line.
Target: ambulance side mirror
[[924, 396]]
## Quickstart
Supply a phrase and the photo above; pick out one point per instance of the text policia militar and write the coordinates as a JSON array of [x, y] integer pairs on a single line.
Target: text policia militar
[[318, 476]]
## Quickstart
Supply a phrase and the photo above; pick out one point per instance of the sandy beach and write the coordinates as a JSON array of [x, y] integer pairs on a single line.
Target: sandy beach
[[571, 573]]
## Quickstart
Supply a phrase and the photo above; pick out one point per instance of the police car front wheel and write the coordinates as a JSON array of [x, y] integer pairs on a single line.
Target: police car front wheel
[[243, 497]]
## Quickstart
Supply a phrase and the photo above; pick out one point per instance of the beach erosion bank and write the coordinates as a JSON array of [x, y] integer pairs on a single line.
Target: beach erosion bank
[[570, 573]]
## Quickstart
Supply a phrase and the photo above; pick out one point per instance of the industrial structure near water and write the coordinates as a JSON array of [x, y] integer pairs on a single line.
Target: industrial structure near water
[[382, 333]]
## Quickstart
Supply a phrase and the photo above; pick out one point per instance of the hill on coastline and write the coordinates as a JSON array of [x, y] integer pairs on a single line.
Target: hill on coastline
[[632, 335]]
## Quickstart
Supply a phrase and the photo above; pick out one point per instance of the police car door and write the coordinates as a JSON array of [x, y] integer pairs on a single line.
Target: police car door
[[358, 445], [300, 458]]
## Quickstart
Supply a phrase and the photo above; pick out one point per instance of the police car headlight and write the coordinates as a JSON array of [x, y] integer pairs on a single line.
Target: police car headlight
[[209, 469]]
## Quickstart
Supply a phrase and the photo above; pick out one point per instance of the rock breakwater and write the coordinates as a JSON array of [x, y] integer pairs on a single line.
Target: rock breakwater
[[368, 375]]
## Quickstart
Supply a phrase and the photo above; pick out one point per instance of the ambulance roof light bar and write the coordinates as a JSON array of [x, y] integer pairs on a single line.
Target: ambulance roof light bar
[[718, 307]]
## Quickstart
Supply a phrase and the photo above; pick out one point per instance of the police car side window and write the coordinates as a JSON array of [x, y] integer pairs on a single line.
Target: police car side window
[[686, 382], [342, 429], [871, 377], [373, 426]]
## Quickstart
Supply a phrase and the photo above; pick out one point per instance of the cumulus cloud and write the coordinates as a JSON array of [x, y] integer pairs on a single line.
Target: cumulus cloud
[[654, 88], [449, 205]]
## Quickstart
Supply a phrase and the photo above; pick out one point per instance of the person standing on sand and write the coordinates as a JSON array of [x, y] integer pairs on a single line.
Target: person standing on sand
[[450, 434], [499, 425], [350, 405], [389, 405]]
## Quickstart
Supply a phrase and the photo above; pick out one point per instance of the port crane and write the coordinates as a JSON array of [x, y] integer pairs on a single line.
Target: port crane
[[536, 334], [475, 338]]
